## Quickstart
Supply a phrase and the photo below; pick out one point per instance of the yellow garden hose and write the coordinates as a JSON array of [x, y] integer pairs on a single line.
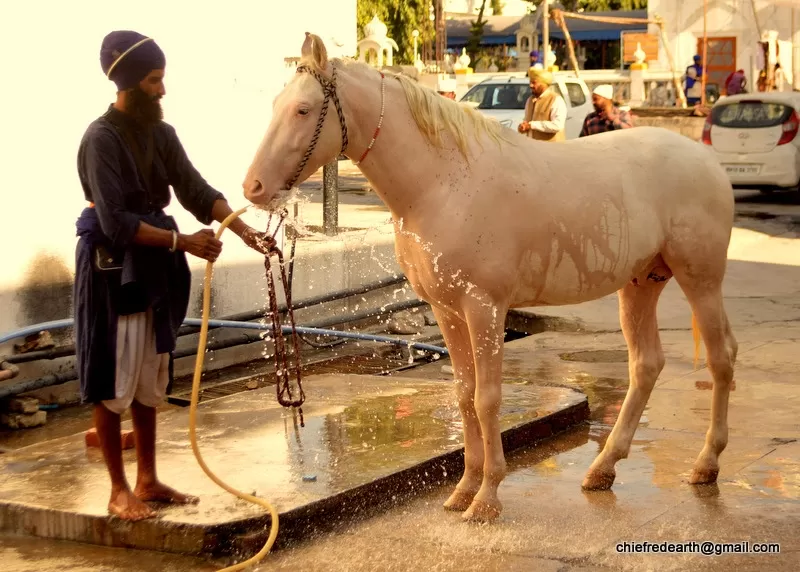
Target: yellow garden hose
[[198, 372]]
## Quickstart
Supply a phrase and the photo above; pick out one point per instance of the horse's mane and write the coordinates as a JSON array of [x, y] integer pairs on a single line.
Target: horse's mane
[[432, 113]]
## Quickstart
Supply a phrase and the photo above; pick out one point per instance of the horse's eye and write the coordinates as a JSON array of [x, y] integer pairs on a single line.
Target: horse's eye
[[303, 111]]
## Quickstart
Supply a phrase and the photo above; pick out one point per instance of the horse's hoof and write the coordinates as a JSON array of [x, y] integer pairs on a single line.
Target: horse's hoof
[[480, 511], [459, 500], [598, 481], [703, 476]]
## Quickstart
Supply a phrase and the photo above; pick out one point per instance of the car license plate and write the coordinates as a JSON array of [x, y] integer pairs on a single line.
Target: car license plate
[[742, 169]]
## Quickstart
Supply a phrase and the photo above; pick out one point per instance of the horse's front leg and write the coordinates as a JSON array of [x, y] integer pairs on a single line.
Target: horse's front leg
[[486, 323], [459, 345]]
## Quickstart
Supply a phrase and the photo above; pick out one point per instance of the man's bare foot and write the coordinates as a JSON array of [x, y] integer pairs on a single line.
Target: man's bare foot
[[127, 506], [159, 492]]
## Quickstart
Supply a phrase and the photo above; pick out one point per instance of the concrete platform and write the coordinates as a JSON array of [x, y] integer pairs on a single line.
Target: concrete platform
[[368, 441]]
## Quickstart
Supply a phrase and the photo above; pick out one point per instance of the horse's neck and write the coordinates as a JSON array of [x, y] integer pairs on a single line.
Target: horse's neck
[[401, 166]]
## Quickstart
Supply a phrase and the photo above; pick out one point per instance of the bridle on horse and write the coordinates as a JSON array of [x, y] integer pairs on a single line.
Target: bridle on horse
[[329, 91], [282, 365]]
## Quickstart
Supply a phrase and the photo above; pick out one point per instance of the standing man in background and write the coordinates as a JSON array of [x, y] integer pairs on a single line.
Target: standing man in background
[[606, 115], [545, 110]]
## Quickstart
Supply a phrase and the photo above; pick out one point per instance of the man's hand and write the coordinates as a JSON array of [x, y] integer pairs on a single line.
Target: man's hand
[[524, 127], [258, 241], [201, 244]]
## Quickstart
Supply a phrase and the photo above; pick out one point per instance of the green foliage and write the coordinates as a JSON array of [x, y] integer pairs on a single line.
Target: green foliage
[[598, 5], [476, 36], [401, 17], [606, 5]]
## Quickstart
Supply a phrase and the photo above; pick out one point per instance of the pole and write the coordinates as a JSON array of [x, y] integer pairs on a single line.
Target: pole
[[545, 33], [675, 80], [438, 24], [705, 53], [559, 18], [755, 18], [330, 198], [794, 49]]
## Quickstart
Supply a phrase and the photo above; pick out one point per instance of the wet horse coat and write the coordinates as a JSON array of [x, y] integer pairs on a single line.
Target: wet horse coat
[[486, 220]]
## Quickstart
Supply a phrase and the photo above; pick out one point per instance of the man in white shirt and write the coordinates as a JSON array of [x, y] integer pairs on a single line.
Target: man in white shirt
[[545, 110]]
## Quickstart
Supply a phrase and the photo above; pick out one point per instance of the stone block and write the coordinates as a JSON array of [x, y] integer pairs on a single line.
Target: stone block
[[405, 323], [92, 440], [23, 420], [20, 405]]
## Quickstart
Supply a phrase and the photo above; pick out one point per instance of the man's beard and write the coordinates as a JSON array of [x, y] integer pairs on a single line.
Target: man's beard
[[144, 109]]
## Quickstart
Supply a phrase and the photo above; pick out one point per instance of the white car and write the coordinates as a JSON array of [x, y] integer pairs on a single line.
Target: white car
[[503, 98], [754, 136]]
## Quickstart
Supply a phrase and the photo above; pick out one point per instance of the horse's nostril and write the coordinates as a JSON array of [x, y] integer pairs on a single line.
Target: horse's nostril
[[252, 188]]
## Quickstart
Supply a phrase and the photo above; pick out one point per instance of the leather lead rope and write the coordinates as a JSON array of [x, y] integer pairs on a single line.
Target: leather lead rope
[[283, 369]]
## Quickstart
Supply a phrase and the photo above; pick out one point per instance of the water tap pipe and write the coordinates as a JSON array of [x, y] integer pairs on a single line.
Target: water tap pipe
[[185, 330], [60, 378], [411, 344]]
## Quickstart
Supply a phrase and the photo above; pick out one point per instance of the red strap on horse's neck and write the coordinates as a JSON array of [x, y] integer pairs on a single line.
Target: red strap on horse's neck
[[380, 122]]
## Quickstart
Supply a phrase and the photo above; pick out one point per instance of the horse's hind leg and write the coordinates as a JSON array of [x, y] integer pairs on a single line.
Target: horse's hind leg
[[721, 349], [637, 311], [459, 345], [699, 272]]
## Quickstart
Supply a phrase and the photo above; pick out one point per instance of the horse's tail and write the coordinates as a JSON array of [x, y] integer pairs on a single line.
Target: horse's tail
[[696, 336]]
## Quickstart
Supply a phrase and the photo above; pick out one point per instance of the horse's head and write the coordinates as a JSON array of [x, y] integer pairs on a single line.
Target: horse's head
[[305, 132]]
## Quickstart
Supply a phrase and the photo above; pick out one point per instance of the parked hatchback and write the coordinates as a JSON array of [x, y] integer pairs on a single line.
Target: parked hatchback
[[503, 98], [754, 136]]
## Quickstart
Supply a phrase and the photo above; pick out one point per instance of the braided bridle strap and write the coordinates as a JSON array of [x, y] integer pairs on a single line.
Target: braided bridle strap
[[283, 368], [329, 90]]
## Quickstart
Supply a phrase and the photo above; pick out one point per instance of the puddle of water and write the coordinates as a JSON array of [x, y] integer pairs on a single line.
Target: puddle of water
[[597, 356]]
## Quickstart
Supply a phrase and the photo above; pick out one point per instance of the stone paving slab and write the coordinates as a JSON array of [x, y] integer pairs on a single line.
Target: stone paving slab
[[366, 440]]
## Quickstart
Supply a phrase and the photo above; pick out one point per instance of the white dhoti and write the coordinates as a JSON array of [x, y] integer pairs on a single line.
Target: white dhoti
[[141, 373]]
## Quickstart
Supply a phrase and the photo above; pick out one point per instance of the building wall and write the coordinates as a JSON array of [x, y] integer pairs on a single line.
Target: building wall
[[225, 64], [726, 18]]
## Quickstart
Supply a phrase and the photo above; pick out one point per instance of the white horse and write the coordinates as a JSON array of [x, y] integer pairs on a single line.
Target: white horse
[[486, 220]]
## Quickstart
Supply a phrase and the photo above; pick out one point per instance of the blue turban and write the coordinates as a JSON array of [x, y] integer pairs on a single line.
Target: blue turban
[[130, 56]]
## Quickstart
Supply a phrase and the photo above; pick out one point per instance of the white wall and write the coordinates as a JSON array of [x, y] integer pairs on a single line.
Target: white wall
[[726, 18], [225, 64]]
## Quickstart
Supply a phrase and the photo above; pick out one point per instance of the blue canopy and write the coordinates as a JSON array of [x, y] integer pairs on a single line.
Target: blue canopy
[[500, 30]]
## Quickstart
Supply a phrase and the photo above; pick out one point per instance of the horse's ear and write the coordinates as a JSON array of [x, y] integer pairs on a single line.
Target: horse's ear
[[314, 49], [305, 51]]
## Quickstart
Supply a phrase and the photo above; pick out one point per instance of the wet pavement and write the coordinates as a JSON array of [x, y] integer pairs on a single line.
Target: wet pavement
[[549, 523], [365, 437]]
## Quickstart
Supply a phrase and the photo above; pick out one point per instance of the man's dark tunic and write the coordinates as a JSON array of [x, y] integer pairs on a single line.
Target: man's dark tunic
[[150, 277]]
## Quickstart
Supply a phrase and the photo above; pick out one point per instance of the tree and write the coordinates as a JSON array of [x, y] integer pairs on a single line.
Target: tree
[[598, 5], [476, 35], [497, 7], [401, 17], [607, 5]]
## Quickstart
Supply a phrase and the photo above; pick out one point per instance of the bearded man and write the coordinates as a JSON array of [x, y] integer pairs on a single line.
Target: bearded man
[[132, 278], [607, 116]]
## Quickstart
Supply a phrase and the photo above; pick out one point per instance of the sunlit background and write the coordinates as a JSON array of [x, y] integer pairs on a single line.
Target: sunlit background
[[225, 64]]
